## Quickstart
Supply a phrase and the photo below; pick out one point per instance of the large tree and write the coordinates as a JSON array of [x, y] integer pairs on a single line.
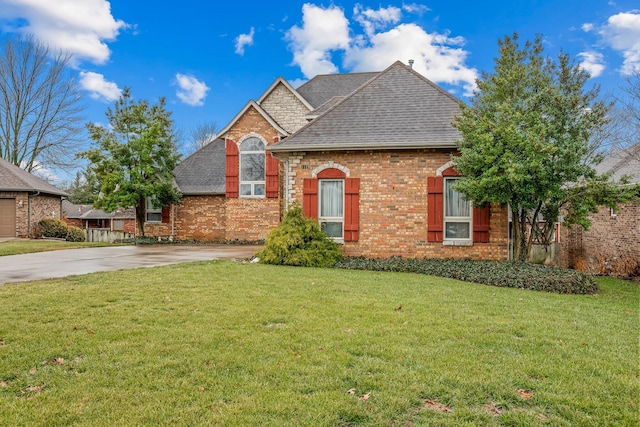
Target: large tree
[[40, 106], [134, 157], [527, 143]]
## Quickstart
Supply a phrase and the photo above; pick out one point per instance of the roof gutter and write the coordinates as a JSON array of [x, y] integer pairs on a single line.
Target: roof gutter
[[359, 147]]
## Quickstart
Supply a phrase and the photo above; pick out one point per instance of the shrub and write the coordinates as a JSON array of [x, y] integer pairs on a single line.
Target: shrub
[[75, 234], [50, 227], [299, 241], [506, 274]]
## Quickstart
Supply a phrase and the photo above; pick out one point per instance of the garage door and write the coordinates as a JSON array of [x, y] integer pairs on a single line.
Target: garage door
[[7, 217]]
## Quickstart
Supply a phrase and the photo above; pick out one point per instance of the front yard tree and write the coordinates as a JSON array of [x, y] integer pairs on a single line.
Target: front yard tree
[[527, 143], [134, 157]]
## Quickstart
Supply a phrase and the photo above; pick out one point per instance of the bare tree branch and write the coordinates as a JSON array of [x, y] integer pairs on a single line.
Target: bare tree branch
[[40, 107]]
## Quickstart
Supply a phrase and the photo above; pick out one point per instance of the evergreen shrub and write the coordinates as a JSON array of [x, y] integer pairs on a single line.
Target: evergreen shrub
[[75, 234], [51, 227], [299, 241]]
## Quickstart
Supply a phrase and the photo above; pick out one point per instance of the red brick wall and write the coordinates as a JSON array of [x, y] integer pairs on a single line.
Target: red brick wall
[[201, 218], [251, 219], [611, 246], [73, 222], [393, 204]]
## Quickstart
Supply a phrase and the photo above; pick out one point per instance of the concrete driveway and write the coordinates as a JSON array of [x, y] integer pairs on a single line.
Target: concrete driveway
[[67, 262]]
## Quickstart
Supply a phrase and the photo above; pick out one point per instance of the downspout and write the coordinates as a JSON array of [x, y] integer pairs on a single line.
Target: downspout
[[173, 218]]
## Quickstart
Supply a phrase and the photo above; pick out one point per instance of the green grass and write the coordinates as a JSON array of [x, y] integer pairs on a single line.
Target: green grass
[[223, 343], [16, 247]]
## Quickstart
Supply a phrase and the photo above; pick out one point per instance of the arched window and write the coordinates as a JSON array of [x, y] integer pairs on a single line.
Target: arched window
[[252, 167]]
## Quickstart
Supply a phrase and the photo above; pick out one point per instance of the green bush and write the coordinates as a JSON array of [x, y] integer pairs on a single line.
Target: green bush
[[299, 241], [50, 227], [506, 274], [75, 234]]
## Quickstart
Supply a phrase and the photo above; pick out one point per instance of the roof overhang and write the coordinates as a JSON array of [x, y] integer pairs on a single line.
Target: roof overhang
[[260, 110]]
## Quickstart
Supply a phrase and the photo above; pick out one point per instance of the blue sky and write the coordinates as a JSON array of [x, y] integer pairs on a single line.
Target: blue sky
[[210, 58]]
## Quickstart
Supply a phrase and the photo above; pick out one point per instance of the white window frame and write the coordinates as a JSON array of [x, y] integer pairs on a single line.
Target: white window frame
[[253, 184], [321, 219], [150, 209], [462, 241]]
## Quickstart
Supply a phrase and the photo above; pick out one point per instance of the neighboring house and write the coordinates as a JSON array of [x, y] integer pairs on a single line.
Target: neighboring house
[[86, 216], [612, 244], [25, 200], [367, 154]]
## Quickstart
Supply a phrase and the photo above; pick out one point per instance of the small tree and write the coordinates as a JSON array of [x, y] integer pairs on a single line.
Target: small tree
[[135, 157], [40, 105], [526, 143]]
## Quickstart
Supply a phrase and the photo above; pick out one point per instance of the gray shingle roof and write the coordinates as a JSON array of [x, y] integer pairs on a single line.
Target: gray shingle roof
[[399, 108], [323, 87], [12, 178], [203, 172], [74, 211], [623, 162]]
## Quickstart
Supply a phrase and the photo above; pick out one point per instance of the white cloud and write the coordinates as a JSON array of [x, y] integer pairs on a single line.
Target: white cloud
[[592, 62], [420, 9], [586, 27], [244, 40], [191, 91], [323, 31], [622, 33], [439, 57], [79, 27], [372, 20], [98, 87]]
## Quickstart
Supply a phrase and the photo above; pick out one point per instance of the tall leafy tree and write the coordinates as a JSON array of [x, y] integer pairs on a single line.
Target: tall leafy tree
[[40, 105], [134, 157], [527, 143]]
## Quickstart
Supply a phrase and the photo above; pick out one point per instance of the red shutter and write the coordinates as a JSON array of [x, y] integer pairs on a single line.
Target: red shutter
[[481, 224], [310, 197], [231, 169], [351, 209], [166, 214], [434, 209], [272, 176]]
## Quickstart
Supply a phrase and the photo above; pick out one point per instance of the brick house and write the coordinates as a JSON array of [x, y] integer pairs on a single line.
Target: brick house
[[612, 244], [367, 154], [25, 200], [86, 217]]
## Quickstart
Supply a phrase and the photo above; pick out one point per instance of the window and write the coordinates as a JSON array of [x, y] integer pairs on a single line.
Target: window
[[153, 214], [331, 207], [118, 225], [252, 167], [457, 213]]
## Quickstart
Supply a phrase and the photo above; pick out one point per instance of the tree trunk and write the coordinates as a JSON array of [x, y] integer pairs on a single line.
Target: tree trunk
[[140, 213], [518, 217]]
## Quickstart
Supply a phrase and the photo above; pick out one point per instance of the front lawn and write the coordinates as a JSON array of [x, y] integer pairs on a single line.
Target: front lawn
[[223, 343], [23, 246]]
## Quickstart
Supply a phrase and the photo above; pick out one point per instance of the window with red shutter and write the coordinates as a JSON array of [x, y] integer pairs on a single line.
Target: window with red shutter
[[272, 177], [435, 204], [334, 200], [166, 214], [449, 217], [231, 169]]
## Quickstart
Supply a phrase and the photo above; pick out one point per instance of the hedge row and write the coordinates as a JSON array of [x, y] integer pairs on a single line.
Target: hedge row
[[50, 227], [505, 274]]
